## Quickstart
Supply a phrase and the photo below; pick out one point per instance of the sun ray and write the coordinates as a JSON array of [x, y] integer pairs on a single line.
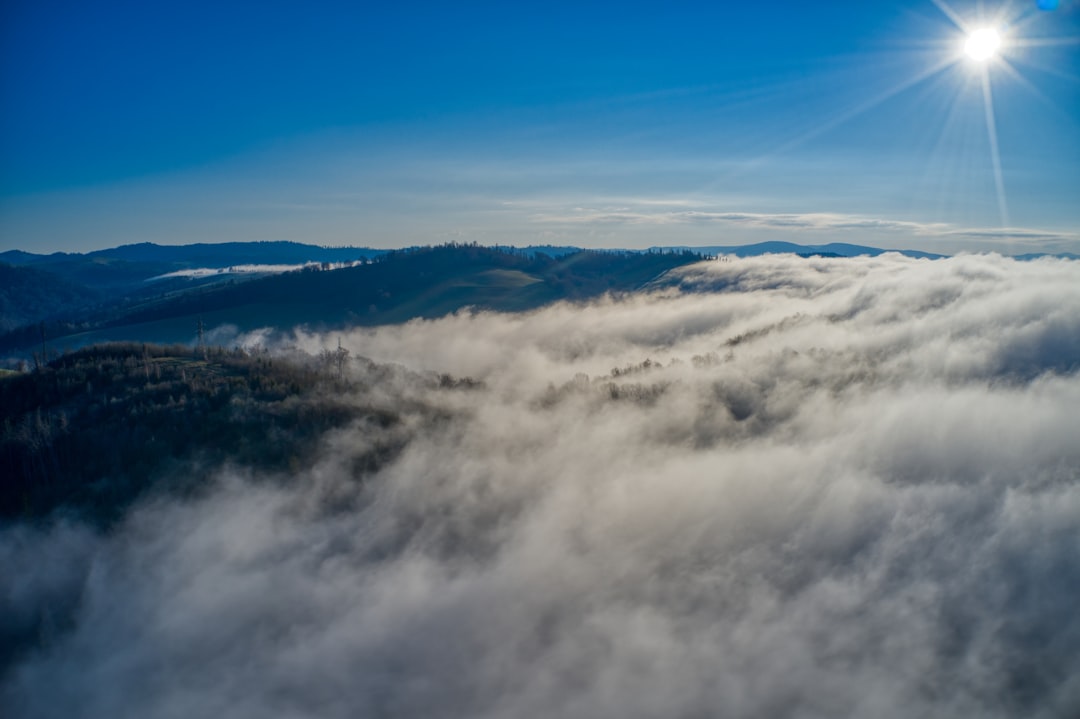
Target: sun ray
[[1015, 75], [953, 16], [989, 41], [1048, 69], [936, 153], [995, 155], [1024, 18], [854, 112], [1045, 42]]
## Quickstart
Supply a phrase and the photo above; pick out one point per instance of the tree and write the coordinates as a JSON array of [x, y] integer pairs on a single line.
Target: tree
[[341, 358]]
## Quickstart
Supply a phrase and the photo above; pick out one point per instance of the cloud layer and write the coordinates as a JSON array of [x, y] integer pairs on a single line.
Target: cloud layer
[[835, 226], [771, 487]]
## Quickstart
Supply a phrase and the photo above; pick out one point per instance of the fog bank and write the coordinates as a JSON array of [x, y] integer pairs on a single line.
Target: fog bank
[[771, 487]]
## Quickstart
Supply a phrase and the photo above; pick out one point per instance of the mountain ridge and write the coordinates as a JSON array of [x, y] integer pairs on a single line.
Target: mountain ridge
[[159, 293], [391, 288]]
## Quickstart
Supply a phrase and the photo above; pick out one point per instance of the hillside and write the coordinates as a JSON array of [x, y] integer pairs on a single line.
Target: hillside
[[29, 295], [98, 428], [392, 288], [125, 268], [425, 282], [832, 249]]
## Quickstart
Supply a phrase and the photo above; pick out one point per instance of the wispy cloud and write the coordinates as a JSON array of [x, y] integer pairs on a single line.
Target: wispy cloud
[[812, 222]]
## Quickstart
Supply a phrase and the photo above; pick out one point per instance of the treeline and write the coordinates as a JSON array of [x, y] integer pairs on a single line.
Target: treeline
[[95, 429]]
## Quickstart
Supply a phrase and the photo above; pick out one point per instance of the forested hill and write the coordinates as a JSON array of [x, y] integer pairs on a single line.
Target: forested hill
[[430, 282], [98, 428], [391, 288], [126, 267], [29, 295]]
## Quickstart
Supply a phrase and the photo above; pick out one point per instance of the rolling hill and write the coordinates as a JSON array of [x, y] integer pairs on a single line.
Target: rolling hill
[[392, 288], [29, 295]]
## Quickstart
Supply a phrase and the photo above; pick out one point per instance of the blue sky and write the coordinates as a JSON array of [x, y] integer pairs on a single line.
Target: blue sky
[[598, 124]]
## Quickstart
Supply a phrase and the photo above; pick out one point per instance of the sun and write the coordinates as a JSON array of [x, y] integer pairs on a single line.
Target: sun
[[983, 44]]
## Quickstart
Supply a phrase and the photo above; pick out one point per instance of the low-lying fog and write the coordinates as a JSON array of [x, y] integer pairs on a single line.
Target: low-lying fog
[[772, 487]]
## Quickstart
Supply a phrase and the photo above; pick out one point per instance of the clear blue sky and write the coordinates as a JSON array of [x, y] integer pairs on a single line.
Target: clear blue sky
[[600, 124]]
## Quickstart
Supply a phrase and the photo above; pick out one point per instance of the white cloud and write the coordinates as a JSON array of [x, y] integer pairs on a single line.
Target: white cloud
[[838, 488], [815, 222], [249, 269]]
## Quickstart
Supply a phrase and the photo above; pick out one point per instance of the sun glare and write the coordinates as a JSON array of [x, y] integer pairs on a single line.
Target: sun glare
[[982, 53], [982, 44]]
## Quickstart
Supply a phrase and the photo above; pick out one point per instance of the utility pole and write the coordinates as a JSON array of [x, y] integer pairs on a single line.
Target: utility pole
[[44, 349], [340, 358], [202, 342]]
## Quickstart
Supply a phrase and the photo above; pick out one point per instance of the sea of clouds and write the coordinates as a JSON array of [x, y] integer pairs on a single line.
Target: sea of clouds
[[772, 487]]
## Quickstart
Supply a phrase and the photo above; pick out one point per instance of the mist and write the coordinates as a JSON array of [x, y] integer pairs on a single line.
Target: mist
[[775, 486]]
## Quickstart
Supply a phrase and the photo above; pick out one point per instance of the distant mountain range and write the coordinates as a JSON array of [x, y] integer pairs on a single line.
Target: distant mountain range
[[353, 287], [125, 268], [28, 294], [149, 292], [833, 249]]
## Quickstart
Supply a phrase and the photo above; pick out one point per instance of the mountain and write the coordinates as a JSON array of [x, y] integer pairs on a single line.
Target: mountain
[[29, 295], [125, 269], [1039, 255], [227, 254], [833, 249], [97, 428], [392, 288], [149, 292], [73, 292]]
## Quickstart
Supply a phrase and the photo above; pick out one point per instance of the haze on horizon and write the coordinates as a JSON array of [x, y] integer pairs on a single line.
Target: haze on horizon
[[388, 125]]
